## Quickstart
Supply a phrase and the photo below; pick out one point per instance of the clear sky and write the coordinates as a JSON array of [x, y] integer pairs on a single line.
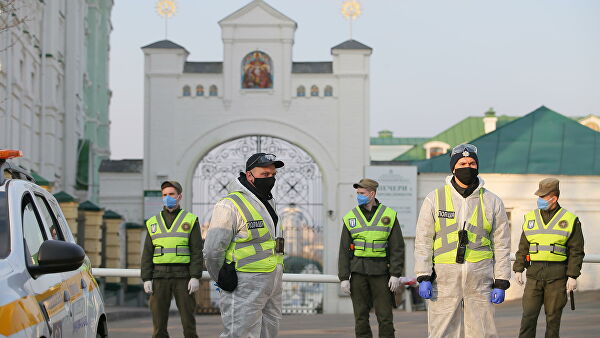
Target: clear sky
[[434, 62]]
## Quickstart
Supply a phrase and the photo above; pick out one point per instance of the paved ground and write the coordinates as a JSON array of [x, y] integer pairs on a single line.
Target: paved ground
[[583, 322]]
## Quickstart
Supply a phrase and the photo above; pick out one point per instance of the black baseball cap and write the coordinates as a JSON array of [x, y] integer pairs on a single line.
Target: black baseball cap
[[262, 160]]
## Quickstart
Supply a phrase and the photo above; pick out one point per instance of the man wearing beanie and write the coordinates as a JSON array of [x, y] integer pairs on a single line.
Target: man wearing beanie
[[462, 251]]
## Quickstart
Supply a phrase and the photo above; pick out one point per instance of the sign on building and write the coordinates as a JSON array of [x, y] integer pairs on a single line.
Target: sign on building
[[398, 190]]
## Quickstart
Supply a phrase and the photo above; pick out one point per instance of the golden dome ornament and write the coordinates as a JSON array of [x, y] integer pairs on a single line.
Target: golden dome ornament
[[351, 10], [166, 9]]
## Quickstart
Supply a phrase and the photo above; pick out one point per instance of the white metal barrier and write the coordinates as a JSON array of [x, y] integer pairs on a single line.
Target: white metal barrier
[[287, 277]]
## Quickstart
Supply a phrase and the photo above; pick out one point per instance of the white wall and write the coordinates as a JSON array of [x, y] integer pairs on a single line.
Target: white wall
[[179, 131], [41, 87], [124, 194]]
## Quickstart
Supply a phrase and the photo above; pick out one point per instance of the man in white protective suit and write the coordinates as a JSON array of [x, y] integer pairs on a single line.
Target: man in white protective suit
[[243, 251], [462, 252]]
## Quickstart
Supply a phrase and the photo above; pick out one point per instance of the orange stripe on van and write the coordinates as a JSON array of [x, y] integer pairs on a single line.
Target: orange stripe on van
[[25, 312], [19, 315]]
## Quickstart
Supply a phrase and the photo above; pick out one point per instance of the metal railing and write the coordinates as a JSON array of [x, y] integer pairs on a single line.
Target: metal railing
[[287, 277]]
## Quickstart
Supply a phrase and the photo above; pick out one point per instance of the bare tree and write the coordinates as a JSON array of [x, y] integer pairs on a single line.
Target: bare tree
[[9, 18], [8, 15]]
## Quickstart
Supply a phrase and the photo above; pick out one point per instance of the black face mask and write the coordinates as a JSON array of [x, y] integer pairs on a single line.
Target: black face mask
[[466, 175], [264, 185]]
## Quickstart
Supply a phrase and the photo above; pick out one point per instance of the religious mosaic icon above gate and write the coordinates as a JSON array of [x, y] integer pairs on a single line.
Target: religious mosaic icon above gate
[[256, 71]]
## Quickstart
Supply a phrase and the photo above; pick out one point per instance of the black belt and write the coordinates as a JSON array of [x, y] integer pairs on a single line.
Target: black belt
[[547, 263], [171, 267]]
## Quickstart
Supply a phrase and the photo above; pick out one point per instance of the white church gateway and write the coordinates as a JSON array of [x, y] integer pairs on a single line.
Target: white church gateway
[[203, 119]]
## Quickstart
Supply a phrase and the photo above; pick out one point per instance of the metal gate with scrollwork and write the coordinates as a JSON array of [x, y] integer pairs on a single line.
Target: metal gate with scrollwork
[[299, 197]]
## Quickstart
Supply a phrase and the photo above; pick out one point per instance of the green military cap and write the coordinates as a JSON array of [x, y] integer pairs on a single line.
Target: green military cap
[[547, 185], [173, 184], [366, 183]]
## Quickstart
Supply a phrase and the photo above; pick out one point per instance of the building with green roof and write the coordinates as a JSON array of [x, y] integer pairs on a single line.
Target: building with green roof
[[386, 147], [541, 142], [463, 131]]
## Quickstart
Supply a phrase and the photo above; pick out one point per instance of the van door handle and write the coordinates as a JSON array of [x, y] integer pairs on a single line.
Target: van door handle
[[83, 284], [67, 296]]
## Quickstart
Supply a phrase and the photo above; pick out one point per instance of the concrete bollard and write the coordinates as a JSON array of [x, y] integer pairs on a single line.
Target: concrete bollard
[[92, 231], [134, 249]]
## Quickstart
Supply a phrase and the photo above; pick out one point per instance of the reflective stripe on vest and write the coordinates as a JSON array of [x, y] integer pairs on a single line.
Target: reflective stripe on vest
[[445, 242], [171, 245], [256, 252], [370, 238], [547, 242]]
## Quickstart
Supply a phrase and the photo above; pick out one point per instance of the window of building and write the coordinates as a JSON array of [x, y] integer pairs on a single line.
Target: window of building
[[257, 70], [213, 91], [435, 148], [186, 90], [301, 91], [314, 91], [328, 91], [22, 71], [435, 151], [199, 90]]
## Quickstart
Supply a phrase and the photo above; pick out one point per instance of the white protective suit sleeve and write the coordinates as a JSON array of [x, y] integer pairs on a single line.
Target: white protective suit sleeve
[[221, 231], [424, 237], [500, 237]]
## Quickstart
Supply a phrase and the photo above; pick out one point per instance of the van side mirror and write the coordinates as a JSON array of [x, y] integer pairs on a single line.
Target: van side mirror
[[58, 256]]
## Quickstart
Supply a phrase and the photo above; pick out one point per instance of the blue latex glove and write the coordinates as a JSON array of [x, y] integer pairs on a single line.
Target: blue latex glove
[[426, 289], [497, 296]]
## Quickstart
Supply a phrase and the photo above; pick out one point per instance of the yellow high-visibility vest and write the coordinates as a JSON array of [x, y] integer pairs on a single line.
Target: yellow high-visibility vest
[[256, 252], [370, 238], [478, 229], [171, 245], [548, 242]]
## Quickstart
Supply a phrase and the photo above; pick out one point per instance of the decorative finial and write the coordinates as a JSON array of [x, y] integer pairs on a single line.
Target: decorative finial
[[166, 9], [351, 10]]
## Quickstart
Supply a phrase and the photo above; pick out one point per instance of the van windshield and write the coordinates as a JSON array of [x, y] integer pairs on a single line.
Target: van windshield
[[4, 228]]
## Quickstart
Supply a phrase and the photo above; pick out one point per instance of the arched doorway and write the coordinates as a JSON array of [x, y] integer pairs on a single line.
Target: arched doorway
[[299, 196]]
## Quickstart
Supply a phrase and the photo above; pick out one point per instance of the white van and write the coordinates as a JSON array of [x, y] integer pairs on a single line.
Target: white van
[[46, 285]]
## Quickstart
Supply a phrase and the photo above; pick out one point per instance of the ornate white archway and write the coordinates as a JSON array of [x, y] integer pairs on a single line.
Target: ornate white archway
[[299, 187]]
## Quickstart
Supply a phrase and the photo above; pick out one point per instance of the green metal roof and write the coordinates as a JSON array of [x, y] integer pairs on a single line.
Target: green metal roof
[[503, 119], [39, 179], [109, 214], [131, 225], [89, 206], [541, 142], [464, 131], [62, 196], [387, 141]]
